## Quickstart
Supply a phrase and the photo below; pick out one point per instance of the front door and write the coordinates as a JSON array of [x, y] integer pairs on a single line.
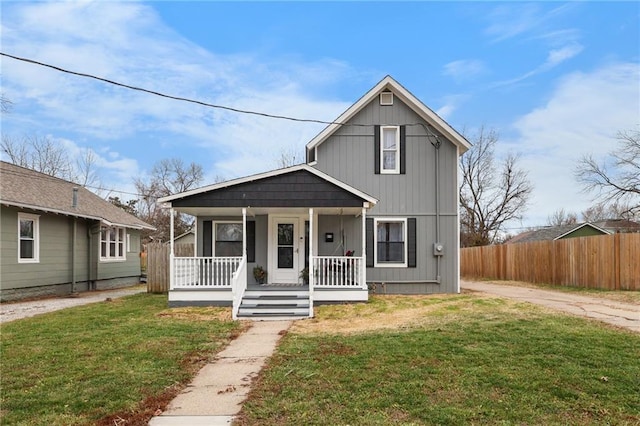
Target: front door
[[285, 248]]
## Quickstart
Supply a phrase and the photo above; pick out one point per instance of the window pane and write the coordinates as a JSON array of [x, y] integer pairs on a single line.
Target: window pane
[[389, 138], [389, 160], [120, 249], [103, 249], [121, 234], [228, 248], [112, 234], [391, 252], [396, 232], [285, 257], [285, 234], [112, 249], [103, 235], [26, 228], [26, 249], [228, 232]]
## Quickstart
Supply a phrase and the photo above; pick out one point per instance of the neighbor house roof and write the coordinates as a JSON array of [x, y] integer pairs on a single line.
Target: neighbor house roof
[[618, 225], [272, 173], [28, 189], [389, 84], [552, 233]]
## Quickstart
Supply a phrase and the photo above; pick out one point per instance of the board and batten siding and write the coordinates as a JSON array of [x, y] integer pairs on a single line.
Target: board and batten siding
[[348, 155]]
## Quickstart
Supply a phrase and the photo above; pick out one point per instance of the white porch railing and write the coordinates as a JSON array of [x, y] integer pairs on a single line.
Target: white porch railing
[[204, 272], [338, 272], [238, 287]]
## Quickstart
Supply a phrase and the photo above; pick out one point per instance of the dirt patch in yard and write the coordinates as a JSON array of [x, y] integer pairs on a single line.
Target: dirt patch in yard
[[396, 313], [197, 314]]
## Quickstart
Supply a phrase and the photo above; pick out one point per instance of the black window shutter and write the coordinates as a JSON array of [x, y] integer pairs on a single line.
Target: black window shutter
[[251, 242], [369, 241], [403, 150], [411, 242], [207, 238], [376, 149]]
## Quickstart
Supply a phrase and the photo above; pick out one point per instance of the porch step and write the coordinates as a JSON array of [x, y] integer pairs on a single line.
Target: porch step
[[270, 304]]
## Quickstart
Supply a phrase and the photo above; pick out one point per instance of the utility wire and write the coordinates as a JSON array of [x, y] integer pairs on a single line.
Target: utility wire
[[206, 104], [177, 98]]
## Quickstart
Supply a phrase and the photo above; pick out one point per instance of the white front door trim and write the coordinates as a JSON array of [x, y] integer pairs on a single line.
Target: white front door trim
[[274, 275]]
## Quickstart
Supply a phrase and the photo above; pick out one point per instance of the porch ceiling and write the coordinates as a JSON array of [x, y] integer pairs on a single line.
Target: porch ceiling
[[256, 211]]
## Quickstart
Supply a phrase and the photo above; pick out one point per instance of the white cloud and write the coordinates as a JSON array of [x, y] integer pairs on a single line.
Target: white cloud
[[128, 42], [464, 68], [582, 116]]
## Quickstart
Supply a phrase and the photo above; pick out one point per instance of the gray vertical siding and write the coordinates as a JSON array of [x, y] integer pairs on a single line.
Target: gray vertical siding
[[348, 155]]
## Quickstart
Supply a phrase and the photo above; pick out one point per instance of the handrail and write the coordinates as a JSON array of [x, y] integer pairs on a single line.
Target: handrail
[[238, 287], [337, 272], [203, 272]]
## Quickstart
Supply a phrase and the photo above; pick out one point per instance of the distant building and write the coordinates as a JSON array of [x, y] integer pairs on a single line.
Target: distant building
[[553, 233]]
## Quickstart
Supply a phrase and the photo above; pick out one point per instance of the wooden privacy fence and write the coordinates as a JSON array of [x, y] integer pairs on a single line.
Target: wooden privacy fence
[[158, 264], [609, 262]]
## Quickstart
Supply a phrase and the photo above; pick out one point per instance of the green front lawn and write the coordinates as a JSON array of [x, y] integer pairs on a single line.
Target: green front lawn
[[119, 359], [451, 360]]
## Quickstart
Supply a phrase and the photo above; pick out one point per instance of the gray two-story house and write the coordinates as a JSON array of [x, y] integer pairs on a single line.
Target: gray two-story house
[[373, 209]]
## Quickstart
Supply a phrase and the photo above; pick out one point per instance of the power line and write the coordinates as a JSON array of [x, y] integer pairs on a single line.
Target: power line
[[177, 98], [206, 104]]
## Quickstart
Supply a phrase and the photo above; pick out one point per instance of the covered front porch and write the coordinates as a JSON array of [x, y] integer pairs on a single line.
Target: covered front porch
[[276, 255]]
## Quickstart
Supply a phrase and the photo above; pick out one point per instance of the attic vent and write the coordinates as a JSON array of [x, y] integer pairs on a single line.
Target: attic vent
[[386, 98]]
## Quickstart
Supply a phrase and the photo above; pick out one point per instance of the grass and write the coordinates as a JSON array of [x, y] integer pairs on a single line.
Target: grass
[[450, 360], [626, 296], [104, 363]]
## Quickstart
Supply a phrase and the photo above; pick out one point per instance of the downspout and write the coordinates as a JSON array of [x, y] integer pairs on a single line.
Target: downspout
[[74, 234], [437, 245]]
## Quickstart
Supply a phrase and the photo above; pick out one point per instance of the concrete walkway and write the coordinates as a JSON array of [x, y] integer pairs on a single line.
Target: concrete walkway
[[216, 394], [620, 314]]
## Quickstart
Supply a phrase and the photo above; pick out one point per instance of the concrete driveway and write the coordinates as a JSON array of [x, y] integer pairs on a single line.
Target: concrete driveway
[[11, 311], [620, 314]]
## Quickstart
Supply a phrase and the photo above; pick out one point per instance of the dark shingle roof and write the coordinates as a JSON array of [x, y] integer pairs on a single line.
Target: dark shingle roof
[[550, 233], [27, 188]]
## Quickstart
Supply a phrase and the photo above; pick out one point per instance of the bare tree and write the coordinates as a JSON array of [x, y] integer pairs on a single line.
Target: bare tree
[[491, 194], [5, 104], [288, 157], [616, 178], [41, 154], [602, 211], [169, 176], [561, 217]]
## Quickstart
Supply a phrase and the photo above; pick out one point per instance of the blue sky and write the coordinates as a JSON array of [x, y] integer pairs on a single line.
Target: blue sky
[[556, 80]]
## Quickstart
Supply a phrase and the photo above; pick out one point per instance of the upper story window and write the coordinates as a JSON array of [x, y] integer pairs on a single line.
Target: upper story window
[[28, 238], [390, 149], [228, 239], [112, 243], [390, 242]]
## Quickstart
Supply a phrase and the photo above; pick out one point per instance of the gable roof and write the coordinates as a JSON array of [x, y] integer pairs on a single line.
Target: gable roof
[[618, 225], [389, 84], [26, 188], [552, 233], [271, 174]]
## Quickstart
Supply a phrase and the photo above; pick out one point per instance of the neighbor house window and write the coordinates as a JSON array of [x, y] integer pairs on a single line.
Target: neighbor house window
[[390, 242], [28, 238], [112, 243], [228, 239], [390, 149]]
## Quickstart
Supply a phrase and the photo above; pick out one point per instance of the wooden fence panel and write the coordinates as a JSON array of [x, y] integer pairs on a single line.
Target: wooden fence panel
[[158, 264], [605, 262]]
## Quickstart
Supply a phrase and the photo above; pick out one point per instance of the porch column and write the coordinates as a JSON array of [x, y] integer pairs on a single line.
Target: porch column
[[311, 263], [363, 268], [244, 232], [171, 252]]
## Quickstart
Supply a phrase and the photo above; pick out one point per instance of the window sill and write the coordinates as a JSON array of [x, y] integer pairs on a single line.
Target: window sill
[[28, 260], [114, 260]]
